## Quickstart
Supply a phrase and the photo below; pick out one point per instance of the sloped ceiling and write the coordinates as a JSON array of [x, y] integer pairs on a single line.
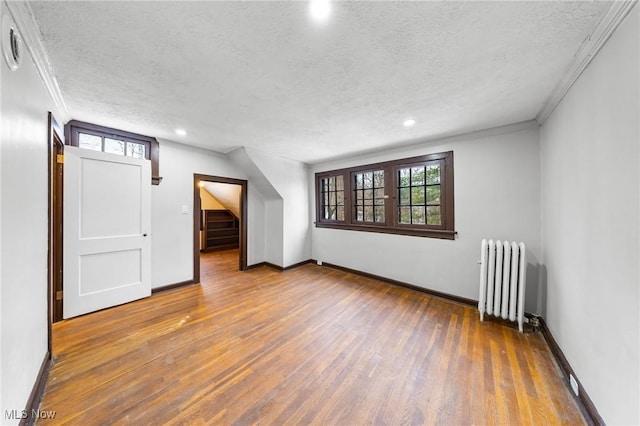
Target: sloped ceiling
[[266, 76], [227, 194]]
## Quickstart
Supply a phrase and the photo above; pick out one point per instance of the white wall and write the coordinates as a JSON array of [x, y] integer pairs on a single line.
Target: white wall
[[496, 196], [24, 226], [172, 243], [289, 178], [274, 232], [257, 236], [271, 217], [590, 217], [2, 68]]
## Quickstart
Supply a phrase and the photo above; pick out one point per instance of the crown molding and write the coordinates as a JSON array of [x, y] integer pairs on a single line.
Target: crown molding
[[24, 19], [608, 24]]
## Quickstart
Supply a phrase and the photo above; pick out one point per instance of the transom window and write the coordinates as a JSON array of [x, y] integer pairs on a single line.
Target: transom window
[[412, 196], [114, 141], [111, 146]]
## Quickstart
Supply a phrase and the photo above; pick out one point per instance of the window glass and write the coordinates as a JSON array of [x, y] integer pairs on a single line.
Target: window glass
[[332, 198], [135, 150], [91, 142], [369, 196], [113, 141], [412, 196], [419, 195], [113, 146]]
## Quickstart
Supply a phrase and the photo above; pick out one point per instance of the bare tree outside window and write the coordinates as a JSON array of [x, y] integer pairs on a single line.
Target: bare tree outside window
[[412, 196]]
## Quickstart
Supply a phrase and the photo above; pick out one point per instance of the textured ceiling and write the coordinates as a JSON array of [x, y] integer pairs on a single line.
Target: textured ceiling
[[265, 76]]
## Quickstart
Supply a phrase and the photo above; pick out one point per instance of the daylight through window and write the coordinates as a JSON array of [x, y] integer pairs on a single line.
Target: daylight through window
[[412, 196], [114, 141]]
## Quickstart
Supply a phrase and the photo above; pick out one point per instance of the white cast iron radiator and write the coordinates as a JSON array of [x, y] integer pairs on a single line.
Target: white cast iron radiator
[[503, 268]]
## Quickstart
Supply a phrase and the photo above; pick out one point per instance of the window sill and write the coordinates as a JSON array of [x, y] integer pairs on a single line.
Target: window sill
[[427, 233]]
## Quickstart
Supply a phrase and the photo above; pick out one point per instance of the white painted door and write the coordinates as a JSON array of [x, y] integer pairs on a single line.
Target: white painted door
[[107, 223]]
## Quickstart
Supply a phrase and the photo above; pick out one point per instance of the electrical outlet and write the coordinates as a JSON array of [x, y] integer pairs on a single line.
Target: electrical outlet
[[574, 384], [319, 262]]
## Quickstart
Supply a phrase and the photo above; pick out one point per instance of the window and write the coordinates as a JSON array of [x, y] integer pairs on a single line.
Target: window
[[113, 141], [418, 192], [332, 198], [368, 194], [412, 196], [111, 146]]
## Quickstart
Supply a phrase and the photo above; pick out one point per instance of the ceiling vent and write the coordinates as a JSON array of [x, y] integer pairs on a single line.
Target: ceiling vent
[[11, 43]]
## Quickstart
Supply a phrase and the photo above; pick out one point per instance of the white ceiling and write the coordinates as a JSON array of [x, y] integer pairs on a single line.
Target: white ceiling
[[266, 76]]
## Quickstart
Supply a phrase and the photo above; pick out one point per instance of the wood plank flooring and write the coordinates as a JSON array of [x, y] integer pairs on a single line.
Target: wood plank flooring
[[311, 345]]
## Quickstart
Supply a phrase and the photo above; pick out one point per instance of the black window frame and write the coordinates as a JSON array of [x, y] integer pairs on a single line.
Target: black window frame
[[392, 225], [73, 129]]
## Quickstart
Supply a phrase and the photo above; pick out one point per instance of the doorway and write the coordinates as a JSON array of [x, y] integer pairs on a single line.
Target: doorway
[[56, 176], [237, 216]]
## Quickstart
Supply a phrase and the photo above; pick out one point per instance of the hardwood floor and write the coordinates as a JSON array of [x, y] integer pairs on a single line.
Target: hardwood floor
[[311, 345]]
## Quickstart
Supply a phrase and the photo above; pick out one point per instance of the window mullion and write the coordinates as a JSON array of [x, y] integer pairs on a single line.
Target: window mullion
[[446, 179], [417, 178], [390, 198], [348, 203]]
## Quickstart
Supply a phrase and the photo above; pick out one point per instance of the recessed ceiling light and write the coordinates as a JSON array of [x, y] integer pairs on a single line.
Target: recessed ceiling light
[[409, 122], [181, 132], [320, 9]]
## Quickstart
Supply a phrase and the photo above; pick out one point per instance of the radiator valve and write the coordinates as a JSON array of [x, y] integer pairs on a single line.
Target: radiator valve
[[535, 323]]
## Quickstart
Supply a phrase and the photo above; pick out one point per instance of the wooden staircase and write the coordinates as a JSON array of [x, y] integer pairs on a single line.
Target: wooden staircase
[[221, 230]]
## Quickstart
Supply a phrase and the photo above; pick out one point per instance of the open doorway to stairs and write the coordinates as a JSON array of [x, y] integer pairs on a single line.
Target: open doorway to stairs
[[219, 218]]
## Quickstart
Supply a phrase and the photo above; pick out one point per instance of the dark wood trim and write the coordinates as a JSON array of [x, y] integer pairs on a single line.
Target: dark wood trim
[[431, 233], [55, 142], [273, 266], [446, 230], [171, 286], [33, 403], [268, 265], [383, 164], [154, 156], [197, 219], [256, 265], [197, 227], [152, 153], [280, 268], [299, 264], [450, 297], [584, 401]]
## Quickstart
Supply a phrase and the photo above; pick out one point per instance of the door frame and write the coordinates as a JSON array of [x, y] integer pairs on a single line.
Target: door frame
[[55, 215], [196, 220]]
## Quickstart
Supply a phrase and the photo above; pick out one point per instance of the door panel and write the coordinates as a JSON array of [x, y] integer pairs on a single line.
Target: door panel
[[97, 199], [107, 202], [97, 273]]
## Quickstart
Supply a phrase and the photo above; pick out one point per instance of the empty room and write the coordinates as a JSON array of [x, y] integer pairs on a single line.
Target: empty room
[[320, 212]]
